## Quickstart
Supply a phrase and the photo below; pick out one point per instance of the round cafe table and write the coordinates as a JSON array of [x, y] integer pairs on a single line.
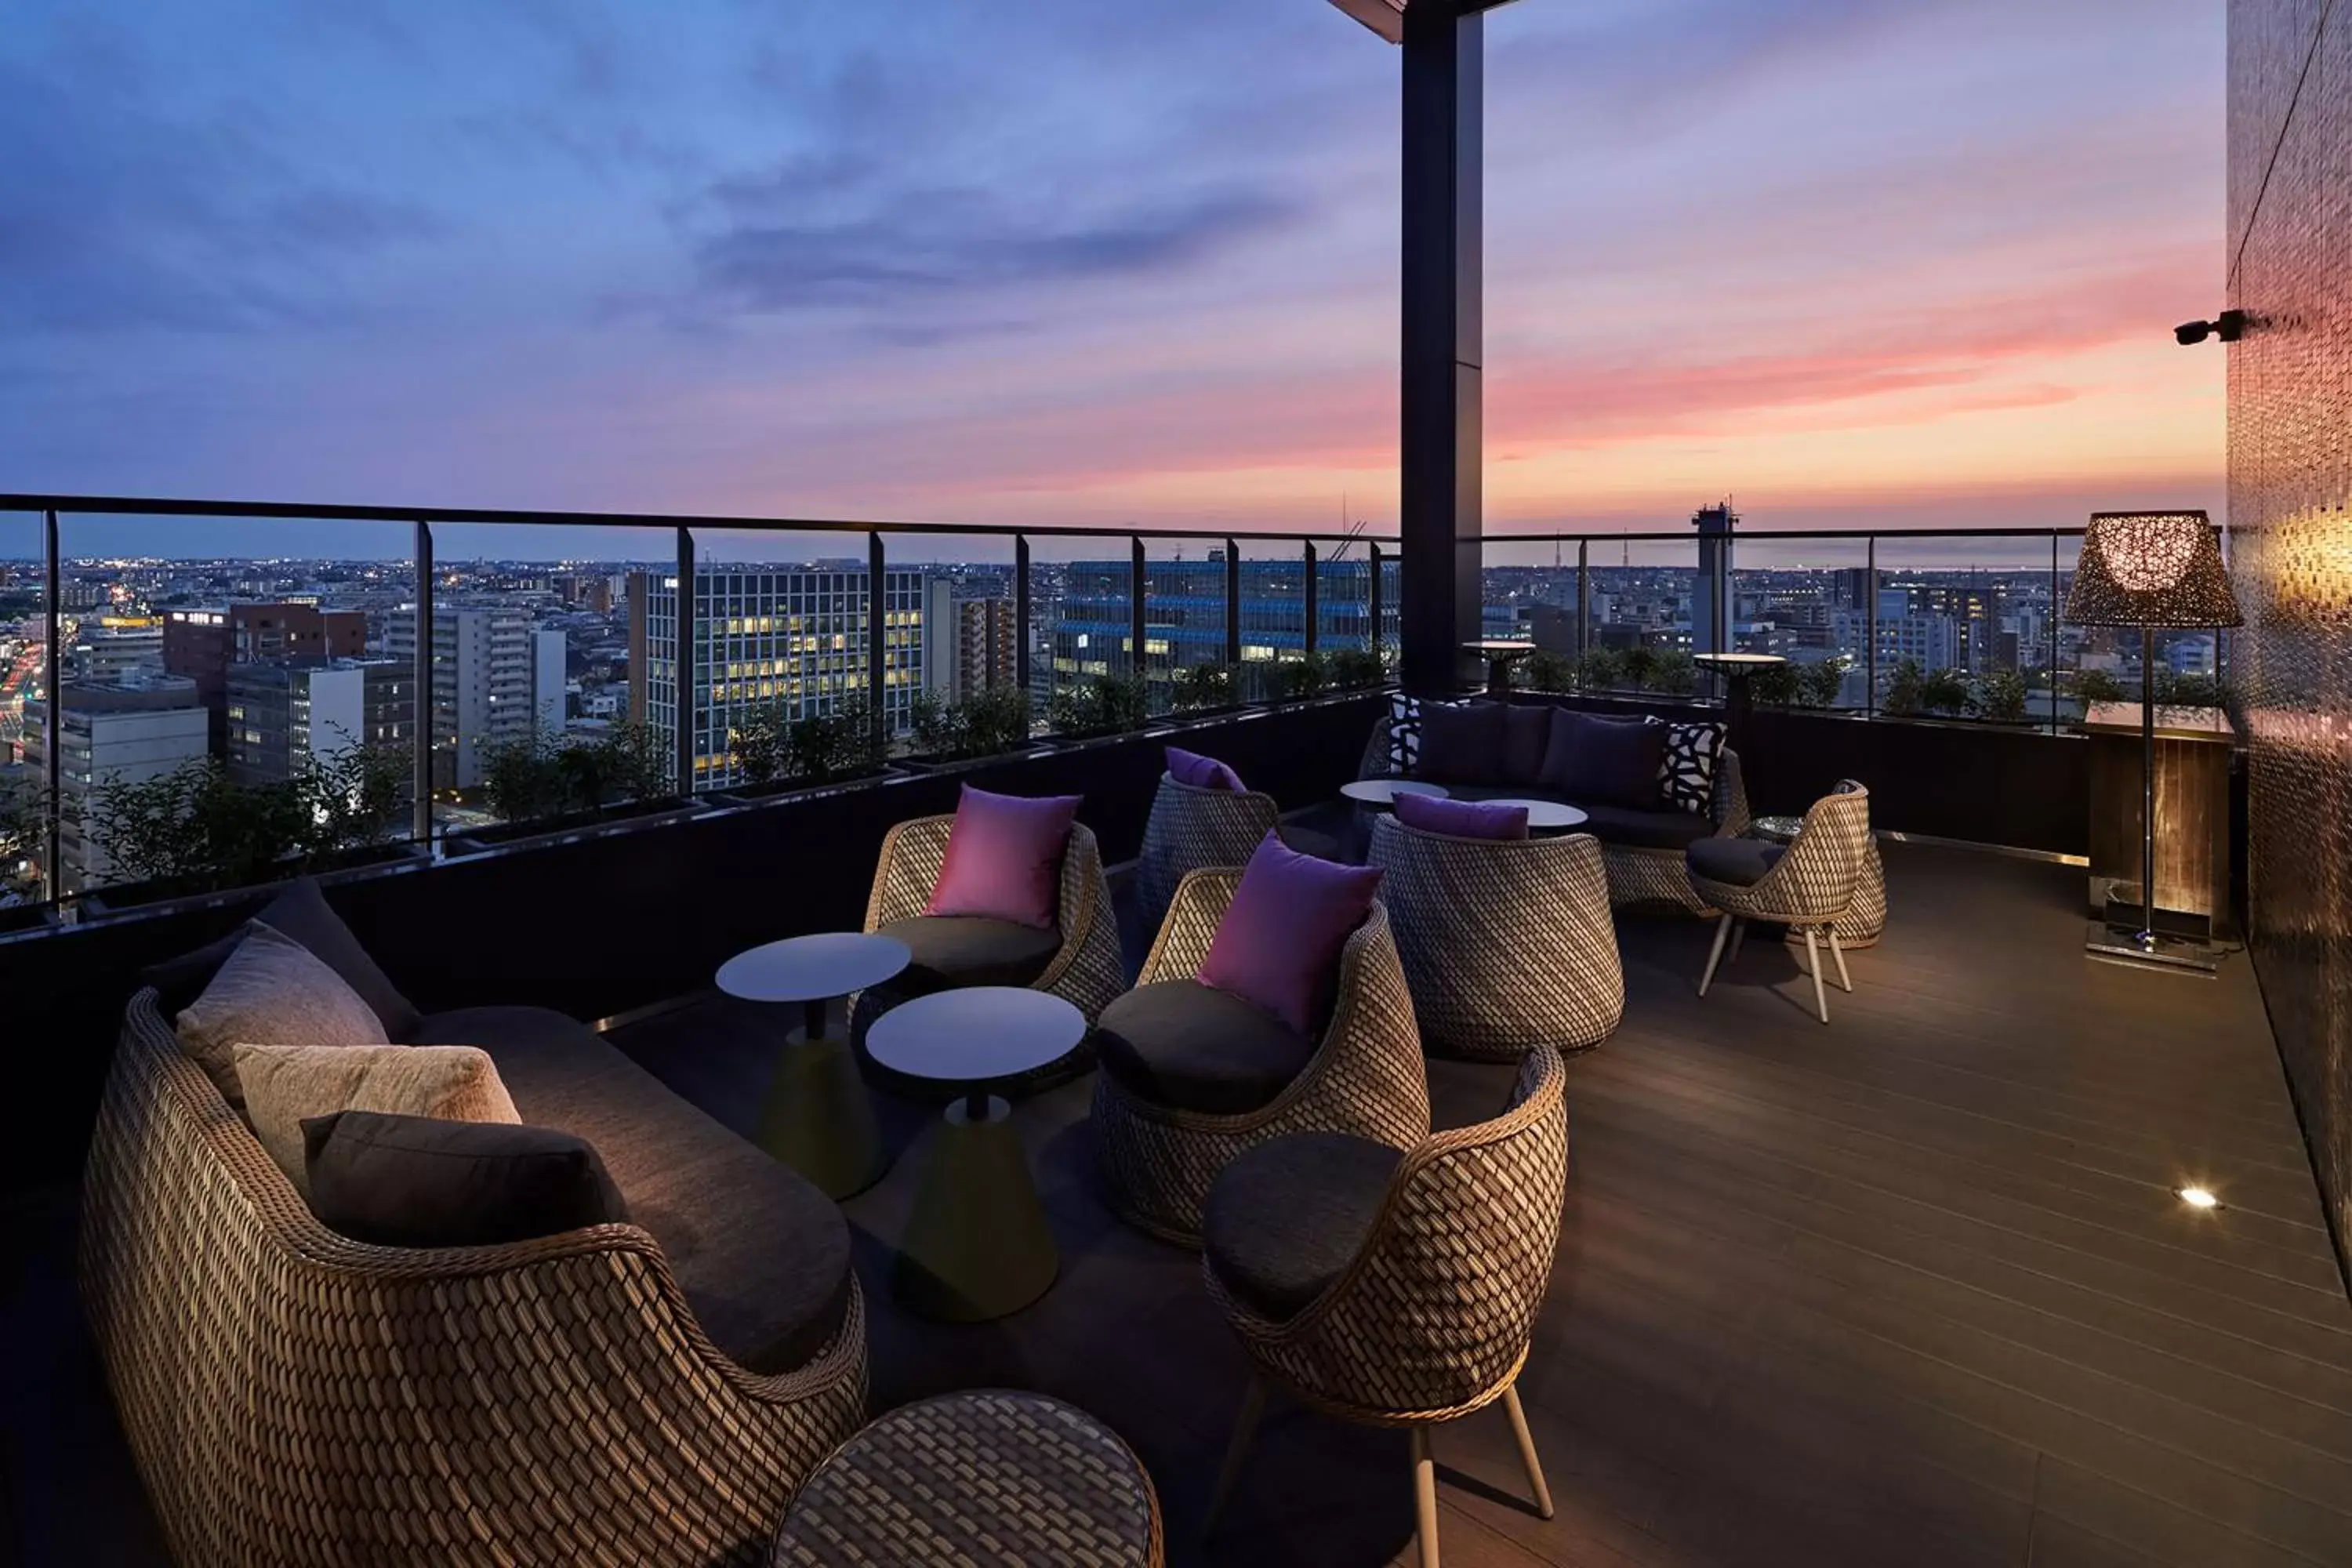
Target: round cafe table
[[1546, 818], [976, 1244], [1500, 654], [816, 1118], [1381, 793]]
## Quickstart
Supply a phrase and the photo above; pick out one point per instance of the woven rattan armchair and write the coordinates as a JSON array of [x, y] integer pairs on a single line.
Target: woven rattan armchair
[[292, 1397], [1086, 972], [1507, 944], [1809, 887], [1638, 874], [1190, 830], [1432, 1318], [1365, 1078]]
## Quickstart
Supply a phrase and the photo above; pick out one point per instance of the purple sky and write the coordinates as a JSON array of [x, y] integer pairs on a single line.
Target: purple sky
[[1891, 262]]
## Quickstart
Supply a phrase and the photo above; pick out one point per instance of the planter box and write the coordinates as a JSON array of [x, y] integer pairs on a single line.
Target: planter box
[[760, 795], [474, 840], [18, 917], [142, 896], [939, 765]]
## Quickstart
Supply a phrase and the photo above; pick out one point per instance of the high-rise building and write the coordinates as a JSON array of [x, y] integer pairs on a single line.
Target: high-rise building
[[971, 641], [550, 652], [116, 648], [111, 732], [282, 712], [1184, 613], [485, 670], [765, 635], [203, 643]]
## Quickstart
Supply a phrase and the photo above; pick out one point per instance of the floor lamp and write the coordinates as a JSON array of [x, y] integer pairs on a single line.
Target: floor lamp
[[2151, 570]]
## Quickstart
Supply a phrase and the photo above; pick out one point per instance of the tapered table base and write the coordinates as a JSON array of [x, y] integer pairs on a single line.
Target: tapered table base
[[818, 1120], [976, 1246]]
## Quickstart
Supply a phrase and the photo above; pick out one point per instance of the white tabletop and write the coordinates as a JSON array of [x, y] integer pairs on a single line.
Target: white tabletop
[[976, 1033], [1545, 815], [1384, 792], [813, 968]]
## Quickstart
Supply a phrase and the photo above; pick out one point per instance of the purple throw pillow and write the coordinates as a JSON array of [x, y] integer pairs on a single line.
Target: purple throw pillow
[[1463, 819], [1279, 943], [1004, 857], [1201, 773]]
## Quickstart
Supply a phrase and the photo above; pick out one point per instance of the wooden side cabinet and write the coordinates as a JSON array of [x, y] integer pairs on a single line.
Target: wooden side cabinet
[[2192, 813]]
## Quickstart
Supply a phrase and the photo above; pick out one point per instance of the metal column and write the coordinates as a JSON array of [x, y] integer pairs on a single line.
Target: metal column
[[687, 634], [1313, 600], [52, 712], [1135, 606], [420, 824], [1234, 613], [877, 632], [1372, 599], [1021, 611], [1870, 627]]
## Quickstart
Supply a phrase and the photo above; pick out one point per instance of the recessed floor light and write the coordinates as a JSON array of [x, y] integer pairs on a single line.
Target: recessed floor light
[[2198, 1198]]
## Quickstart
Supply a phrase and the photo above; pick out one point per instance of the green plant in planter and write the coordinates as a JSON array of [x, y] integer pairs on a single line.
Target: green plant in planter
[[1776, 685], [1638, 665], [1204, 686], [1544, 670], [758, 744], [1999, 697], [1106, 705], [524, 781], [24, 828], [195, 827], [2196, 691], [996, 720], [1821, 685], [1675, 673], [2098, 686], [1354, 669], [1906, 690], [1945, 691], [1292, 680], [821, 747], [1601, 670]]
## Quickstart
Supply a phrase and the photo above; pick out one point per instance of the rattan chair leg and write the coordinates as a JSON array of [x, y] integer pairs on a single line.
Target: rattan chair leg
[[1739, 935], [1424, 1497], [1813, 967], [1527, 1439], [1845, 981], [1236, 1451], [1714, 954]]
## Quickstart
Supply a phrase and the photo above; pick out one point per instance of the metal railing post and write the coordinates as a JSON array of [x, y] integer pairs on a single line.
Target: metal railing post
[[1584, 595], [420, 674], [1138, 666], [1234, 613], [2054, 603], [689, 632], [1020, 611], [877, 633], [1870, 630], [53, 833], [1313, 599], [1372, 598]]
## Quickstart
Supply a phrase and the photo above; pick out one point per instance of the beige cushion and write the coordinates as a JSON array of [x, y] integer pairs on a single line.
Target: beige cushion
[[283, 1084], [271, 992]]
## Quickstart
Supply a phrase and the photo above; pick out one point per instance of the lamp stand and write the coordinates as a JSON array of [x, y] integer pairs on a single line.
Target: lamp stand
[[2108, 939]]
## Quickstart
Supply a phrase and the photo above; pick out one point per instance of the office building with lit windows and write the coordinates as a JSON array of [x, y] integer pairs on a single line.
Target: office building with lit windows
[[1184, 613]]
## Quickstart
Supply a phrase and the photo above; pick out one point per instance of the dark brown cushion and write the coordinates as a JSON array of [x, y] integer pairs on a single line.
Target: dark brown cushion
[[180, 981], [1660, 827], [763, 1255], [1740, 862], [1527, 736], [1285, 1219], [1605, 762], [1461, 746], [420, 1181], [1191, 1046], [949, 951], [301, 912]]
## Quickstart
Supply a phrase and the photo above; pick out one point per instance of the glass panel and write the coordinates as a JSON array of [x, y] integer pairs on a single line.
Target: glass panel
[[23, 632], [1964, 627], [229, 711], [1529, 589], [537, 632], [1274, 623], [1352, 656], [1184, 627], [1807, 600], [1650, 611], [952, 676], [1081, 590]]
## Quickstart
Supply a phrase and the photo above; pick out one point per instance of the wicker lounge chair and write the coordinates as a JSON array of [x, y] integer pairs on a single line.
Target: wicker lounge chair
[[1190, 830], [1808, 886]]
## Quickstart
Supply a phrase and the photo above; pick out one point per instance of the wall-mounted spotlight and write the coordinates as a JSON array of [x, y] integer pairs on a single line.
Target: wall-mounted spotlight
[[2229, 326]]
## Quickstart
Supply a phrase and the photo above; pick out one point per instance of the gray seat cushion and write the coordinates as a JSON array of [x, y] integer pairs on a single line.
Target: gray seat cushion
[[763, 1255], [1191, 1046], [954, 950], [1740, 862], [1285, 1219]]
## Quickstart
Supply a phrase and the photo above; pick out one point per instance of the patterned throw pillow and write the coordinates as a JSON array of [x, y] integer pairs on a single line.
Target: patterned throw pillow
[[1405, 733], [1686, 778]]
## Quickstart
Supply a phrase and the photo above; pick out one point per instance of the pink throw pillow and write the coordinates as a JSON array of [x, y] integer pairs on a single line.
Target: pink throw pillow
[[1201, 773], [1004, 857], [1462, 818], [1279, 943]]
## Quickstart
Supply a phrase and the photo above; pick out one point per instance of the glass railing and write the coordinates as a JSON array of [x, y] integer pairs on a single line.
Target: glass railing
[[248, 692]]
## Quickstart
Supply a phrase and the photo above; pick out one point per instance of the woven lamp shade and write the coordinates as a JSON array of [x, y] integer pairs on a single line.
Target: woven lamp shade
[[2151, 569]]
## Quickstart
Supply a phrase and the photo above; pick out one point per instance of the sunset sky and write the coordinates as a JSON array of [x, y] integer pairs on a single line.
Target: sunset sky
[[1894, 262]]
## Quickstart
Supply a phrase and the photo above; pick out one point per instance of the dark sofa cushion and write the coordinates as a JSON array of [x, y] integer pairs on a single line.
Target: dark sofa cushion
[[1742, 862], [1527, 736], [763, 1255], [1661, 827], [1603, 761], [1461, 746], [952, 951], [419, 1181], [1190, 1047], [302, 913], [180, 981], [1285, 1219]]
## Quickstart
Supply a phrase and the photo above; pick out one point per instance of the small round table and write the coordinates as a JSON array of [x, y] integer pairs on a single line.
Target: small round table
[[1546, 818], [816, 1118], [1778, 829], [990, 1477], [1500, 654], [976, 1246], [1381, 793]]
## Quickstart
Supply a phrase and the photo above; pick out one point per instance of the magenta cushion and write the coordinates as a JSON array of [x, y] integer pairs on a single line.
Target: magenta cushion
[[1004, 857], [1278, 945], [1463, 819], [1201, 773]]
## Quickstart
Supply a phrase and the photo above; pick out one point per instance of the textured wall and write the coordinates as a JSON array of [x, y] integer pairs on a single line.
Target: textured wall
[[2290, 485]]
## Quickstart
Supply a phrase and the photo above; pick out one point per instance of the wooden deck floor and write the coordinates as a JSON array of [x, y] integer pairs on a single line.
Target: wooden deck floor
[[1913, 1287]]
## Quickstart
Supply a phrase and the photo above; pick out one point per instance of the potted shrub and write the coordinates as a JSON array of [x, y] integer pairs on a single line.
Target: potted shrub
[[1600, 670], [24, 825], [1354, 669], [1204, 689], [1106, 705], [547, 784], [1295, 680], [774, 754], [988, 723], [1821, 685], [1544, 670], [2000, 698]]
